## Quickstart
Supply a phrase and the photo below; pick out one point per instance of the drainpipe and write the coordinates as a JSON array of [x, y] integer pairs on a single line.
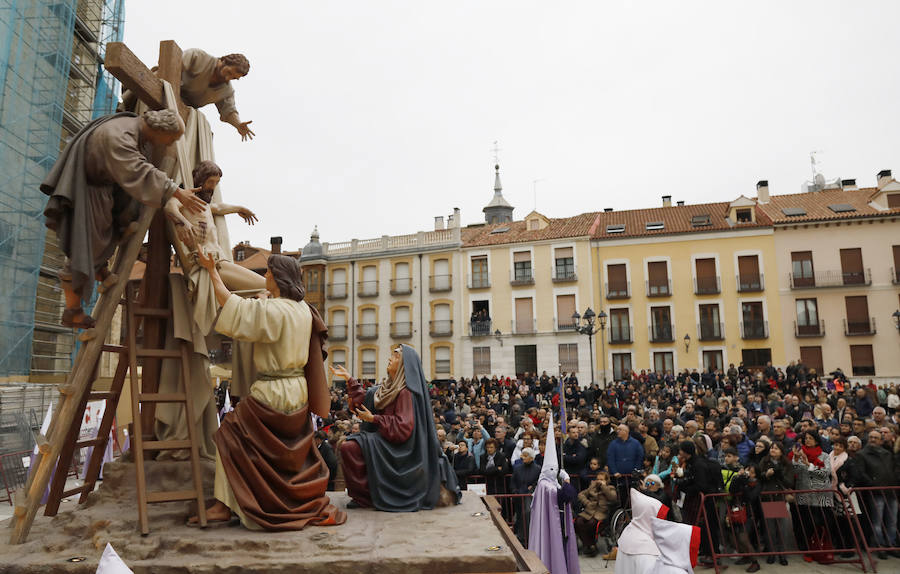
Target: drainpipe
[[421, 311]]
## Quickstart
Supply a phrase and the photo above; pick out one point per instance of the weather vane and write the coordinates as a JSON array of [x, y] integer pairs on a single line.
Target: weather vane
[[496, 150]]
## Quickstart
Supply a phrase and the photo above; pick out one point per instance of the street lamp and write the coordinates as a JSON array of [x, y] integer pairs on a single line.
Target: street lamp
[[687, 342], [587, 327], [896, 316]]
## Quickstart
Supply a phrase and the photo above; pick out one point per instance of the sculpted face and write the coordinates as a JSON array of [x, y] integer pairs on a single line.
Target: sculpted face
[[393, 363]]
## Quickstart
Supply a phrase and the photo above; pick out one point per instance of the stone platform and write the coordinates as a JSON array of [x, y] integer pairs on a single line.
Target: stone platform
[[444, 540]]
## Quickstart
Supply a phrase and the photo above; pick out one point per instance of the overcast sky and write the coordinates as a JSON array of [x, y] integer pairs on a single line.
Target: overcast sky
[[374, 116]]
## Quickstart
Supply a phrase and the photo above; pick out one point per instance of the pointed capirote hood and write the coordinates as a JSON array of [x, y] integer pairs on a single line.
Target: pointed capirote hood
[[637, 538], [679, 544], [550, 467]]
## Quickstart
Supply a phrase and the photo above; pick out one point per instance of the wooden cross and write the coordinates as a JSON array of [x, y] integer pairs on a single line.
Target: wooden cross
[[147, 85]]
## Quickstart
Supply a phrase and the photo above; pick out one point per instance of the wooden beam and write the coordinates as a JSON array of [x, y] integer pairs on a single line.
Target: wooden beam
[[134, 75], [170, 70]]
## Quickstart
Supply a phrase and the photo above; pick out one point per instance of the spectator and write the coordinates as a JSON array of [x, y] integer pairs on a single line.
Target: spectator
[[574, 453], [596, 500], [321, 438], [878, 467], [463, 463], [664, 463], [625, 454], [812, 469], [777, 473], [504, 443], [494, 466]]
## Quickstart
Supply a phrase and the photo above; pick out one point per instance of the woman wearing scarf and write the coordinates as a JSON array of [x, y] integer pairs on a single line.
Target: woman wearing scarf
[[776, 473], [395, 462], [812, 467], [836, 458]]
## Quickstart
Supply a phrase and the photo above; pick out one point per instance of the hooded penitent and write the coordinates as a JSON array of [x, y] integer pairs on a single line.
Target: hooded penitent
[[678, 545], [558, 550], [637, 548]]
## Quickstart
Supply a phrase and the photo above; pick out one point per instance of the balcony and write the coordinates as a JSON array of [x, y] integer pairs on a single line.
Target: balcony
[[367, 331], [521, 277], [523, 327], [564, 323], [755, 330], [440, 283], [831, 279], [618, 290], [440, 328], [367, 288], [337, 290], [401, 330], [707, 285], [895, 276], [621, 334], [481, 281], [564, 274], [659, 288], [856, 328], [337, 332], [481, 328], [750, 283], [710, 331], [809, 330], [661, 333], [401, 286]]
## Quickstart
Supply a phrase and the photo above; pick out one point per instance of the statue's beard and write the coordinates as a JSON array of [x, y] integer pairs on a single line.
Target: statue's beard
[[205, 196]]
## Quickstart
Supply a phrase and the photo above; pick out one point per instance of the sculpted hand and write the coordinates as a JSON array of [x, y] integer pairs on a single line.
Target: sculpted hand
[[340, 371], [206, 261], [190, 200], [248, 216], [365, 414], [243, 128]]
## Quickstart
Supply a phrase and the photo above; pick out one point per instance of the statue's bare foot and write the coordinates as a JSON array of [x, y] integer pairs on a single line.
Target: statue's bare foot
[[218, 512], [77, 319]]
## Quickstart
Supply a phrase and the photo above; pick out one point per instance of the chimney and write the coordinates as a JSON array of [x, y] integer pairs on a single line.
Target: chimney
[[667, 201], [762, 191], [680, 203], [607, 209], [276, 245], [849, 185], [455, 217], [438, 223], [884, 177]]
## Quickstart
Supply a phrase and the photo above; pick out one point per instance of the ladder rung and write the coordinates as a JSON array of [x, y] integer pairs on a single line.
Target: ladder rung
[[114, 348], [99, 396], [166, 444], [162, 397], [158, 353], [149, 312], [171, 495], [76, 490], [88, 442]]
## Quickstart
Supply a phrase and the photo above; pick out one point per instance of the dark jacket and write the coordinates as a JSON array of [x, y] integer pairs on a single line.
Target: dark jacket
[[495, 477], [463, 466], [878, 465], [525, 477], [331, 462], [781, 479], [574, 457], [624, 457]]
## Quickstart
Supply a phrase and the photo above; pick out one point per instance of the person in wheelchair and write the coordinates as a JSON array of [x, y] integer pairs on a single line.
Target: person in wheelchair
[[599, 501]]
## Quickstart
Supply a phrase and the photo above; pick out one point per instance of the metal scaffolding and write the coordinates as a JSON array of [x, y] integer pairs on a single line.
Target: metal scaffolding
[[50, 70]]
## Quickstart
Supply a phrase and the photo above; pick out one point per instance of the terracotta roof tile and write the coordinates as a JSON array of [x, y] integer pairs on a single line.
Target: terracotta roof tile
[[815, 204], [577, 226], [675, 219]]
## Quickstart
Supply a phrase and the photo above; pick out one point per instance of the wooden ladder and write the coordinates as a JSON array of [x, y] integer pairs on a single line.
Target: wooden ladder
[[128, 358]]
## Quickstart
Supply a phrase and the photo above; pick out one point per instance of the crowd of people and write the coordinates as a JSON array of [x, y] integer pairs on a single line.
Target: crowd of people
[[678, 437]]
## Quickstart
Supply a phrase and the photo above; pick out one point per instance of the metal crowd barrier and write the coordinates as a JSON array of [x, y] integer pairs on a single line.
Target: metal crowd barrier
[[516, 511], [874, 508], [13, 473], [782, 523]]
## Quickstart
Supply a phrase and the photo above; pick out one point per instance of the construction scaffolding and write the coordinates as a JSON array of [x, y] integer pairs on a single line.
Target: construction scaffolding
[[53, 83]]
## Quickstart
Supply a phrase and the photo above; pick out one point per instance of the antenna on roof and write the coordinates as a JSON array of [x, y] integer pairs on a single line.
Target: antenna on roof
[[496, 149]]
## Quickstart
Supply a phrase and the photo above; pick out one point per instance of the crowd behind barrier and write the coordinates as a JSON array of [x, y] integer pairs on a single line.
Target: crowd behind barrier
[[715, 446]]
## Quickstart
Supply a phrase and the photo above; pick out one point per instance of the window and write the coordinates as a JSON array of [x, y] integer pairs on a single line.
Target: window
[[442, 361], [756, 358], [619, 326], [812, 358], [565, 263], [565, 308], [893, 200], [522, 267], [852, 266], [707, 280], [524, 315], [338, 288], [480, 321], [710, 324], [534, 225], [339, 357], [744, 215], [862, 360], [858, 322], [401, 284], [368, 363], [841, 208], [658, 279], [621, 366], [749, 278], [701, 220], [895, 272], [440, 281], [616, 228], [753, 324], [368, 324], [402, 325], [802, 271], [807, 316], [338, 329], [568, 358], [368, 287], [661, 324], [480, 272], [793, 211], [441, 324], [713, 360], [655, 225], [617, 287], [481, 360], [663, 362]]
